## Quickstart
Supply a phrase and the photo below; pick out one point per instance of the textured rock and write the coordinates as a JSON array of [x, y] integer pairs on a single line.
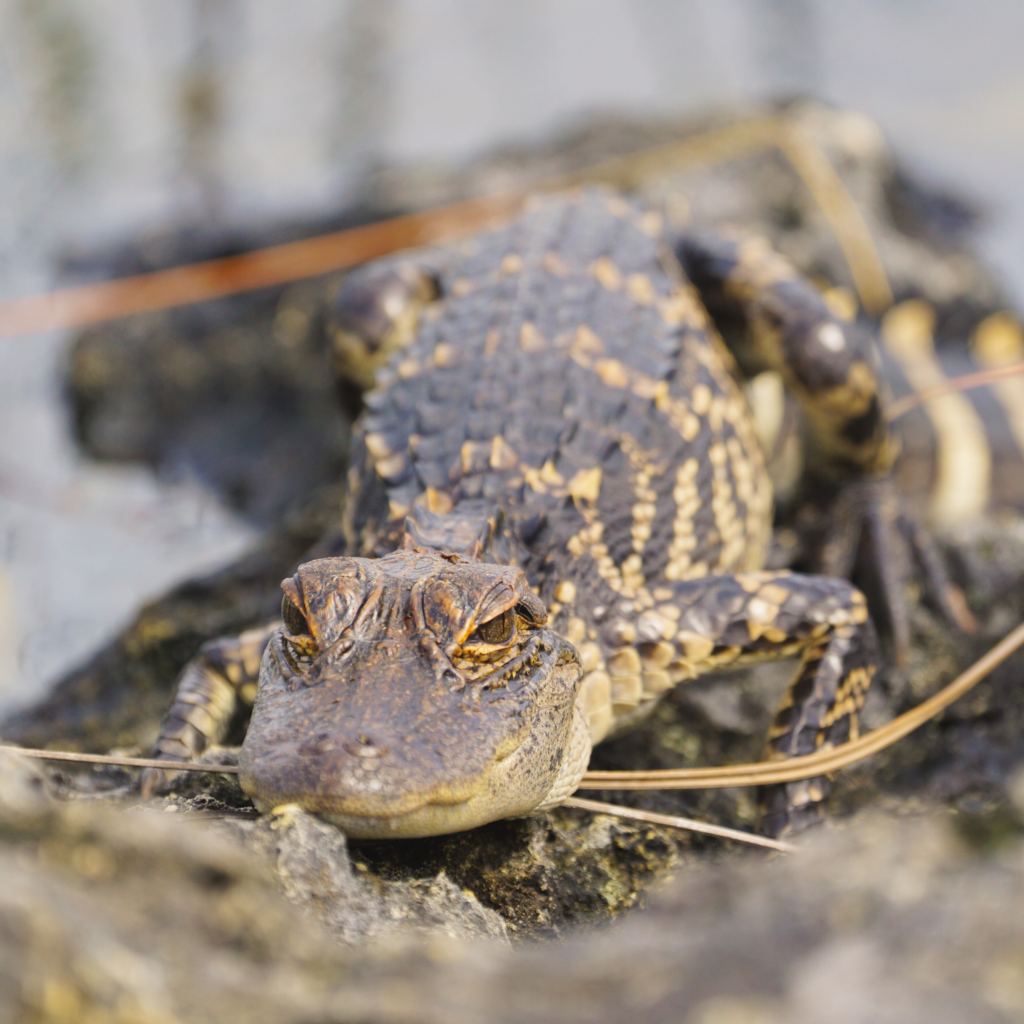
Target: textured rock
[[153, 917], [311, 860], [529, 878], [889, 921], [112, 916], [226, 392]]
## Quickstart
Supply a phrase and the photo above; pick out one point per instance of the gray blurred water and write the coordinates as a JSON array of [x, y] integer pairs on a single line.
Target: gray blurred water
[[118, 118]]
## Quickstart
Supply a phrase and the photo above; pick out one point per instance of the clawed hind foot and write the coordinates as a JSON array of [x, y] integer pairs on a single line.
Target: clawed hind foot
[[860, 532]]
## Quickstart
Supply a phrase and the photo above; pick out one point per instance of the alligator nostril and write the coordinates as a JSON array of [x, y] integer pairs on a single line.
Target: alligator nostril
[[364, 746], [452, 679]]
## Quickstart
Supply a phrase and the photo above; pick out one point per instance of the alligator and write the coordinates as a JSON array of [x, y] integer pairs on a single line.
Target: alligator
[[558, 511]]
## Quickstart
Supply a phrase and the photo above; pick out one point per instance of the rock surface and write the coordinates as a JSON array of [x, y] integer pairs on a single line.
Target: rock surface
[[529, 878], [312, 862], [153, 917], [113, 916]]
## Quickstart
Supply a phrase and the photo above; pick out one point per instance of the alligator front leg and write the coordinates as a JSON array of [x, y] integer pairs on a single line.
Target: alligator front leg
[[374, 315], [721, 622], [224, 671]]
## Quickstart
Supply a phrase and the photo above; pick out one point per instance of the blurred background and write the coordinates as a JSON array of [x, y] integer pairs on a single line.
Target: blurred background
[[122, 120]]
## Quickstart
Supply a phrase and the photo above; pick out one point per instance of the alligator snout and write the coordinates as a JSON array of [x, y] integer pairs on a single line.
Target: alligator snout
[[401, 697]]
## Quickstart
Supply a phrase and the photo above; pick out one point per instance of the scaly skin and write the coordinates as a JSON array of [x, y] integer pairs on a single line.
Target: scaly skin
[[559, 426]]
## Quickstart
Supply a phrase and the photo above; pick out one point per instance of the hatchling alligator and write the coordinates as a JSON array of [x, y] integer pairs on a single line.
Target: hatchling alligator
[[558, 511]]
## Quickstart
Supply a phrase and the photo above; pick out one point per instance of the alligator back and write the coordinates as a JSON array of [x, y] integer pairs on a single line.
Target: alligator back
[[568, 378]]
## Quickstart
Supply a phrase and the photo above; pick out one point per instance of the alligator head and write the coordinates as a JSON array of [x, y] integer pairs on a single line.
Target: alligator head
[[414, 694]]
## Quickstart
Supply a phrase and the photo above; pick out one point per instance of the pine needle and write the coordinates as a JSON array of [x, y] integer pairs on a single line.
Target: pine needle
[[675, 822], [341, 250], [822, 762], [755, 774], [125, 762], [965, 382]]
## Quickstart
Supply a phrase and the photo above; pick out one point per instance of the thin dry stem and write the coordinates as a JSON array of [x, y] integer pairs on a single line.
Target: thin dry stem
[[324, 254], [125, 762], [675, 822], [822, 762], [965, 382], [758, 774]]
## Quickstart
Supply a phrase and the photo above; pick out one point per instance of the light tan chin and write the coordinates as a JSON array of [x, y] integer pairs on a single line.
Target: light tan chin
[[496, 799], [503, 795], [431, 820], [574, 763]]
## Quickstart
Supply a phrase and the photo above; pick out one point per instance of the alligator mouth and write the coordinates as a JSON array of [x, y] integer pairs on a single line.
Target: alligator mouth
[[429, 818], [333, 782], [364, 808]]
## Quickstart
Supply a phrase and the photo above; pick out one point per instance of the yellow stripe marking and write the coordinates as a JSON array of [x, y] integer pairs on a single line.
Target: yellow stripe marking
[[964, 472], [999, 341]]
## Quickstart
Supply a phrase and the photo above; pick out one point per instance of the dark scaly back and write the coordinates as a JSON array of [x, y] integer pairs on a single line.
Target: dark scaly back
[[568, 377]]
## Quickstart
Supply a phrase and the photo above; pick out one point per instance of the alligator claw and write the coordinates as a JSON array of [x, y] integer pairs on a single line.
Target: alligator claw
[[155, 780], [938, 587], [863, 534]]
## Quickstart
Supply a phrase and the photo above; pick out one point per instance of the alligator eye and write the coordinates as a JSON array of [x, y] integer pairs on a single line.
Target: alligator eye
[[294, 620], [498, 630]]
